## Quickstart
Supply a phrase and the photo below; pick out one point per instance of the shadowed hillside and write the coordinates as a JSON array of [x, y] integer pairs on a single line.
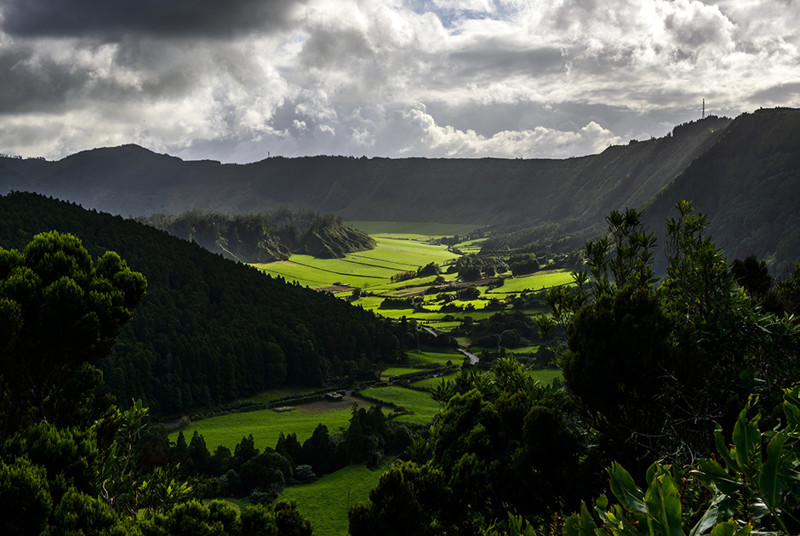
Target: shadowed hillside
[[265, 237], [748, 183], [130, 180], [208, 330]]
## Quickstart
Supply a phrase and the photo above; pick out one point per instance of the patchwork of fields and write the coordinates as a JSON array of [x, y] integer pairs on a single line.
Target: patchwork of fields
[[366, 279]]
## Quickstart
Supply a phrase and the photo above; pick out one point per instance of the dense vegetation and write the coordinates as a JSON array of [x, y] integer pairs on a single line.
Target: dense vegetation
[[747, 183], [70, 461], [265, 237], [208, 330], [655, 371]]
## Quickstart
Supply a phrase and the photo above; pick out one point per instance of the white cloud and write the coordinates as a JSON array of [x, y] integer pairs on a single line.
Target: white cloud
[[504, 78]]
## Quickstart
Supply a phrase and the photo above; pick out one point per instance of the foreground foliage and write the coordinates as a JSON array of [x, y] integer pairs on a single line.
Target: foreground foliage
[[654, 372], [71, 463]]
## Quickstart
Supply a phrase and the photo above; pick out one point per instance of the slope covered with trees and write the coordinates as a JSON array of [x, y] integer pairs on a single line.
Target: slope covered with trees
[[748, 183], [70, 461], [265, 237], [208, 330]]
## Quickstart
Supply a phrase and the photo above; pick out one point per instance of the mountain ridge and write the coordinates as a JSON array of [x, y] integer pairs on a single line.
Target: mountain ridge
[[130, 180]]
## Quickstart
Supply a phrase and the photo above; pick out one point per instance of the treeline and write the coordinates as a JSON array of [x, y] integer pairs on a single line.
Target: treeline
[[70, 461], [260, 475], [265, 237], [209, 330]]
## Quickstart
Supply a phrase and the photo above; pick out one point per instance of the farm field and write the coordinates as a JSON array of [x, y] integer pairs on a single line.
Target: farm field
[[430, 383], [422, 406], [266, 425], [548, 375], [365, 269], [533, 282], [325, 502]]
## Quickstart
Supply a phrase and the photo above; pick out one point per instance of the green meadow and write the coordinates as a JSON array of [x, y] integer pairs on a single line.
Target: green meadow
[[430, 383], [533, 282], [266, 425], [325, 502], [420, 404], [365, 269]]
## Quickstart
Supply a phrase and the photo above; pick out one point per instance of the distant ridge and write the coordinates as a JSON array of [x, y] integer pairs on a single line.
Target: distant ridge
[[748, 182], [742, 172], [130, 180]]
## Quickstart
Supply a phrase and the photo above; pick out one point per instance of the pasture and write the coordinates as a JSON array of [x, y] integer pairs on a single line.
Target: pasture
[[365, 269], [325, 502], [420, 404], [266, 425]]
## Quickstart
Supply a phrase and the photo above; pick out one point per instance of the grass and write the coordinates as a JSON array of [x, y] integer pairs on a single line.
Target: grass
[[278, 393], [266, 425], [547, 375], [366, 269], [325, 502], [427, 356], [430, 383], [420, 404], [537, 281], [397, 371]]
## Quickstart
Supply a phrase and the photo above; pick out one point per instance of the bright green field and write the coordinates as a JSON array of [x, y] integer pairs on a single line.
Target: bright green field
[[325, 502], [547, 375], [364, 269], [397, 371], [430, 383], [439, 356], [266, 425], [535, 281], [411, 228], [422, 406]]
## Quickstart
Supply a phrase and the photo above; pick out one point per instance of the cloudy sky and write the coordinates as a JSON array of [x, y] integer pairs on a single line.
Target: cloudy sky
[[236, 80]]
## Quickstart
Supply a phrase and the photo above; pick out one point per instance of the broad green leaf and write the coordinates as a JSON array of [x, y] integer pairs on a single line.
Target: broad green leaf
[[719, 510], [722, 448], [791, 405], [747, 439], [726, 528], [663, 507], [712, 474], [769, 481], [624, 488]]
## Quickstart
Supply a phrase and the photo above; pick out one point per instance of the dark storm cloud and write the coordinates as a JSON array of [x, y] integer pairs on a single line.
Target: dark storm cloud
[[36, 84], [110, 19], [779, 93], [494, 59]]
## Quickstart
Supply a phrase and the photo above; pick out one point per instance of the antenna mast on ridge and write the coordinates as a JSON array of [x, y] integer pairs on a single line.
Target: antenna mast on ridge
[[704, 110]]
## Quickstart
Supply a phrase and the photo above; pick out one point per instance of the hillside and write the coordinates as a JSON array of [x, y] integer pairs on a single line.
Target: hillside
[[130, 180], [265, 237], [748, 183], [208, 330]]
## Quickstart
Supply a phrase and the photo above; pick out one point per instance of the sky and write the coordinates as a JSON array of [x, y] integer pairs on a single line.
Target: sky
[[241, 80]]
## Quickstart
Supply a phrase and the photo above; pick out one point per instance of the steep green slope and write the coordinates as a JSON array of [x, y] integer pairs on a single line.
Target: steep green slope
[[748, 182], [208, 330]]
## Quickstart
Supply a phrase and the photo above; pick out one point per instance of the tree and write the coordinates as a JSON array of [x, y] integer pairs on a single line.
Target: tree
[[753, 276], [408, 499], [61, 312], [25, 501]]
